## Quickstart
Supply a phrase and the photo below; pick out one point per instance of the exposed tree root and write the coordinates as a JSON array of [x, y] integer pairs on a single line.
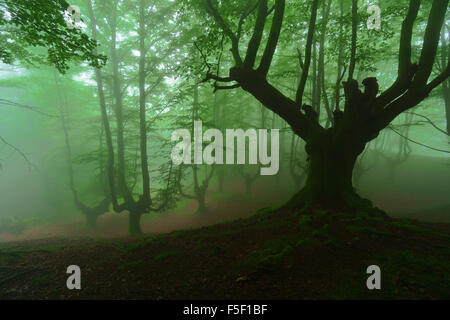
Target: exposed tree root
[[348, 202]]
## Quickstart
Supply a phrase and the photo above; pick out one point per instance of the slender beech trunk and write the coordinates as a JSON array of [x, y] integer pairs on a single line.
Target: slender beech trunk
[[445, 59], [337, 93], [91, 214], [104, 115], [118, 110], [321, 64]]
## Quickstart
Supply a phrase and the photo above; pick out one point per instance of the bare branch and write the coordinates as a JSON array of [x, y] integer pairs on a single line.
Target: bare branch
[[208, 178], [439, 79], [15, 104], [205, 60], [270, 11], [30, 165], [166, 199], [217, 87], [154, 85], [429, 121], [418, 143], [211, 76], [234, 40], [180, 188]]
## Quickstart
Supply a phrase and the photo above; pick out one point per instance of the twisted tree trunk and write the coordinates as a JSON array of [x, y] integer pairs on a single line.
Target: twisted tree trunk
[[332, 158]]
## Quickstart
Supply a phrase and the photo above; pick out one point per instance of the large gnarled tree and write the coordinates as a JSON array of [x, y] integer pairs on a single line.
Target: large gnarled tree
[[332, 152]]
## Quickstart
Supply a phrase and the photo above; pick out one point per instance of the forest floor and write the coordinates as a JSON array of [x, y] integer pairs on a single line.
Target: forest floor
[[269, 255]]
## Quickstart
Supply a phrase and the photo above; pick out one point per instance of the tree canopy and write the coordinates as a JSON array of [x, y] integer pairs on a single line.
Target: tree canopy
[[36, 31]]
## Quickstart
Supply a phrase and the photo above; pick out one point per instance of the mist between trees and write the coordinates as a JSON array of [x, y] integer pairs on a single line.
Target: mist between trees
[[88, 113]]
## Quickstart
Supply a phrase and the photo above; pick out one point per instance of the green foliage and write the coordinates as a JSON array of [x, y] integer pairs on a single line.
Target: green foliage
[[40, 23], [182, 43]]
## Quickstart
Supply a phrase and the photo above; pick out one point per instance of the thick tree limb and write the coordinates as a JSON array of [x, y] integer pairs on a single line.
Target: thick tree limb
[[256, 84], [337, 88], [439, 79], [255, 40], [418, 90], [351, 69], [300, 59], [273, 37], [405, 69], [306, 64], [430, 44]]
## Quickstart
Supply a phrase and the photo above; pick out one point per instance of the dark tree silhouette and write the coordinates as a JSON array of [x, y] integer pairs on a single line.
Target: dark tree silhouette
[[91, 213], [333, 152]]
